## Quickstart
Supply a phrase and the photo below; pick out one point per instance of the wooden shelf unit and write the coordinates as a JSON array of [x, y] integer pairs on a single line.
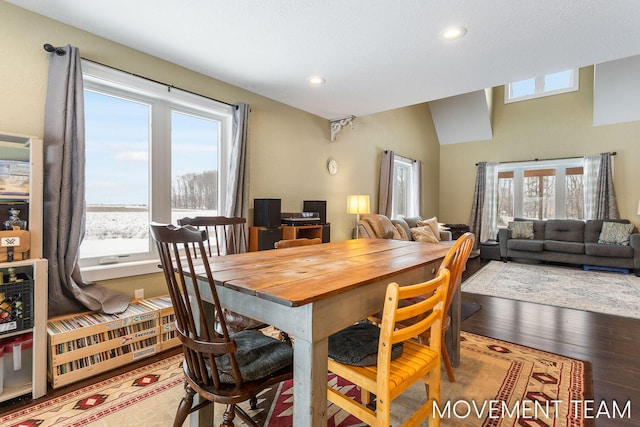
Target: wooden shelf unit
[[290, 232], [85, 344], [29, 149]]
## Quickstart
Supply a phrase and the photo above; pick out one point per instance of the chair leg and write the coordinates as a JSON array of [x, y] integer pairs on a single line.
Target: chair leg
[[447, 363], [185, 406], [229, 415]]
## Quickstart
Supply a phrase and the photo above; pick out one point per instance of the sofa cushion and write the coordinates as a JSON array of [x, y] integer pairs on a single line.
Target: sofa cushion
[[412, 221], [538, 227], [610, 251], [424, 234], [567, 230], [525, 245], [565, 247], [521, 229], [433, 224], [615, 233], [381, 226], [593, 228], [403, 228]]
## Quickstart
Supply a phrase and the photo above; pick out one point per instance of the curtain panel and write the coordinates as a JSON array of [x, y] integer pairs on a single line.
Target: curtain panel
[[600, 200], [64, 193]]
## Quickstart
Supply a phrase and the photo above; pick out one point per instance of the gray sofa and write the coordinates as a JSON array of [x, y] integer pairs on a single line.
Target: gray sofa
[[572, 242]]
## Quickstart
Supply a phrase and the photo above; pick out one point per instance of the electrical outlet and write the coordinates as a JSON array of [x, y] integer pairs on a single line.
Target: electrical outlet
[[139, 294]]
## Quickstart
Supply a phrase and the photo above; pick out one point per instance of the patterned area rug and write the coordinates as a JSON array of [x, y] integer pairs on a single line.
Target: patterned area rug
[[498, 384], [570, 287]]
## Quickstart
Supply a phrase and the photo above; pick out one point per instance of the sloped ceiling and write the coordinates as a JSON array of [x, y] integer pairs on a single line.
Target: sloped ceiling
[[375, 55]]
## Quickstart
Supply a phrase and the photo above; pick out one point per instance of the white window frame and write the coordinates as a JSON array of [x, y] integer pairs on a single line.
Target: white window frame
[[560, 165], [163, 100], [412, 210], [539, 88]]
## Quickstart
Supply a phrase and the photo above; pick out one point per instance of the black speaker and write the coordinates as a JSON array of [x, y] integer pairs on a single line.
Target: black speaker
[[319, 206], [266, 213]]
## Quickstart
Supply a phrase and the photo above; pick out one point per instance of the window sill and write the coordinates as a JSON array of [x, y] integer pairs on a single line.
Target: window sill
[[120, 270]]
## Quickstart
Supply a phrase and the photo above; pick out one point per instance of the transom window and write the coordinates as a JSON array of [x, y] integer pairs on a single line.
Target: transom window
[[152, 154], [536, 87], [540, 190]]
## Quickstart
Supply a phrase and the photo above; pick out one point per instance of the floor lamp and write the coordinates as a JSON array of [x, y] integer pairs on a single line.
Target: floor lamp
[[357, 204]]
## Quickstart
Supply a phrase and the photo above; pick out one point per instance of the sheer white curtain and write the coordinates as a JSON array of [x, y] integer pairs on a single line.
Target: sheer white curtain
[[490, 207], [415, 196]]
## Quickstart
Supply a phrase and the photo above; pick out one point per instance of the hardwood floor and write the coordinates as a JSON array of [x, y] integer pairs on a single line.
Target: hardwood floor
[[610, 343]]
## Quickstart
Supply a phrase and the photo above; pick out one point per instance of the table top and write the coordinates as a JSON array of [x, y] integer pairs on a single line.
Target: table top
[[302, 275]]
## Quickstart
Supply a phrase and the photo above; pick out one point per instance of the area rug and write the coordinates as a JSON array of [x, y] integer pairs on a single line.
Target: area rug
[[497, 384], [570, 287]]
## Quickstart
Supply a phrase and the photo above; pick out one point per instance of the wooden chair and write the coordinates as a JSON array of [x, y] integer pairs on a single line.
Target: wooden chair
[[391, 374], [456, 262], [294, 243], [224, 368], [228, 236], [229, 233]]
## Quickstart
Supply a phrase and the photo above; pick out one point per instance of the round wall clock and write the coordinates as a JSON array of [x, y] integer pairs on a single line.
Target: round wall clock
[[332, 166]]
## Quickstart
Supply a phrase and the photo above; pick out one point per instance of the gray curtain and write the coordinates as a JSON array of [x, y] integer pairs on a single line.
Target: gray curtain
[[237, 194], [385, 198], [64, 207], [475, 218], [600, 195], [483, 218]]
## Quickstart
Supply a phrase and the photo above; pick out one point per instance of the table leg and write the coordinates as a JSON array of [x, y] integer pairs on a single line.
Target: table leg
[[310, 383], [452, 336]]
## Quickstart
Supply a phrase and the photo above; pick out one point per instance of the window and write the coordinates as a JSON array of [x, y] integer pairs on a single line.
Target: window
[[404, 189], [152, 154], [540, 190], [536, 87]]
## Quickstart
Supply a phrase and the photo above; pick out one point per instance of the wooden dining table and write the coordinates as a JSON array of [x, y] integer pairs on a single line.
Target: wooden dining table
[[310, 292]]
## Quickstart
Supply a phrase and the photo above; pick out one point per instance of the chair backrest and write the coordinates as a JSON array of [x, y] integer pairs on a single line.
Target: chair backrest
[[228, 234], [293, 243], [427, 314], [177, 247], [456, 262]]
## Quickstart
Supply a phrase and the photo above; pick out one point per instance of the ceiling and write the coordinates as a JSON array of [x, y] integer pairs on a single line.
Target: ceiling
[[375, 55]]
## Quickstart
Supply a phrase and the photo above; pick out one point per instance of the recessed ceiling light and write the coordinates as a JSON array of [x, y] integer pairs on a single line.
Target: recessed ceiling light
[[316, 80], [453, 33]]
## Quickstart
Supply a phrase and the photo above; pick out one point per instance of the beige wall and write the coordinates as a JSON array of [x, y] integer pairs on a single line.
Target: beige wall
[[288, 148], [554, 126]]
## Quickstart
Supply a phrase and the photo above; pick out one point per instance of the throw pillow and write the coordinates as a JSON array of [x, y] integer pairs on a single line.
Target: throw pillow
[[402, 232], [521, 229], [615, 233], [433, 224], [424, 234]]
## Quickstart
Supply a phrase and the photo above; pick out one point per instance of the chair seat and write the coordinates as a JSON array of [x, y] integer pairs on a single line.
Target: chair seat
[[258, 356], [357, 345], [403, 372]]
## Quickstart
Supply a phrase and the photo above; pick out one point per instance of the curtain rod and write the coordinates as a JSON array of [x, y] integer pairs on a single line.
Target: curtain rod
[[61, 52], [613, 153], [403, 157]]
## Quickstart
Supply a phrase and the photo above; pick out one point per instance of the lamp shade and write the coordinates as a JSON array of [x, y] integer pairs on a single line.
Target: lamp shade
[[358, 204], [638, 208]]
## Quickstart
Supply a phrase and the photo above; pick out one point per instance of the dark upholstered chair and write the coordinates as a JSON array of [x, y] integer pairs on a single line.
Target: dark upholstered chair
[[222, 367]]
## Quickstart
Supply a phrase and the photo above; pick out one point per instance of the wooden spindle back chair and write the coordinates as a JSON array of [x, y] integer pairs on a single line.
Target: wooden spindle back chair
[[222, 367]]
